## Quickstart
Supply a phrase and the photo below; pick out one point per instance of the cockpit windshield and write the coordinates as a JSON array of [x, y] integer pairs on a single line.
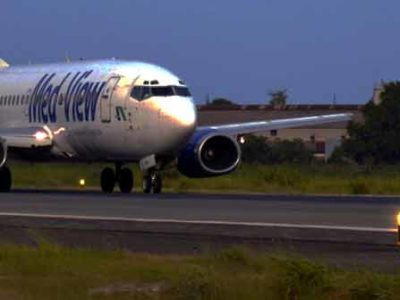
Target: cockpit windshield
[[145, 92], [162, 91]]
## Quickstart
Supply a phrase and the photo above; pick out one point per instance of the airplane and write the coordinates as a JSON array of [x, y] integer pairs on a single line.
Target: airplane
[[118, 112]]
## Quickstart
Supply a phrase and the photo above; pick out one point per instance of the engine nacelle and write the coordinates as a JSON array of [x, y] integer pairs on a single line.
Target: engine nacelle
[[3, 152], [208, 155]]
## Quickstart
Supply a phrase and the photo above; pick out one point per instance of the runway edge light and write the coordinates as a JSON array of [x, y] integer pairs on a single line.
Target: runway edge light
[[82, 182]]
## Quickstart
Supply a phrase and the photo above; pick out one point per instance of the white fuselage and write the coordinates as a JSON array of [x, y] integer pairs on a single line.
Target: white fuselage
[[89, 109]]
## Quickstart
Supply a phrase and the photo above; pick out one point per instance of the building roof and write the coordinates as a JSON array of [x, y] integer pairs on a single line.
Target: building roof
[[225, 114]]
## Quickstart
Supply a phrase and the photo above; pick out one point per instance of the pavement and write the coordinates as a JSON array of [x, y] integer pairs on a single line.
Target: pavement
[[352, 230], [357, 211]]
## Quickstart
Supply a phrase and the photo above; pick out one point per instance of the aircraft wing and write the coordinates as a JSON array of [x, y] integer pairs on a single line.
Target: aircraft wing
[[260, 126], [28, 137]]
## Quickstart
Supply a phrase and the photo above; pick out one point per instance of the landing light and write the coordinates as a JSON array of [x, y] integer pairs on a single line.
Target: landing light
[[40, 136], [242, 140]]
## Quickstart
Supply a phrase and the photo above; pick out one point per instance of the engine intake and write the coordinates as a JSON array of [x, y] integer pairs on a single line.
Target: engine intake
[[210, 155]]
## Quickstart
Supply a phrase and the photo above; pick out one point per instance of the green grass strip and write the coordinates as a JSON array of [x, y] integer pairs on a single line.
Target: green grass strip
[[288, 179]]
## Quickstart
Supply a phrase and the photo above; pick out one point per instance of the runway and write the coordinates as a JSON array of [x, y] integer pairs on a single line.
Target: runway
[[351, 211], [353, 230]]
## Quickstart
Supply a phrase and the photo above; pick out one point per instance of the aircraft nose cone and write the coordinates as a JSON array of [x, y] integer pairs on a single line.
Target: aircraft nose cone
[[181, 112], [180, 117]]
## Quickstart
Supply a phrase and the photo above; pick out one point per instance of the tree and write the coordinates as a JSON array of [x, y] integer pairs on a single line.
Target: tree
[[377, 139], [278, 97], [291, 151], [257, 150], [221, 101]]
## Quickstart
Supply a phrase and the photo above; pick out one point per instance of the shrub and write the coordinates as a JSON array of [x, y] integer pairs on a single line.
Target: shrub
[[257, 149]]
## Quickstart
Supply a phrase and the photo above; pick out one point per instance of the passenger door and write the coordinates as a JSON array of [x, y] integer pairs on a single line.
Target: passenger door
[[132, 106], [106, 99]]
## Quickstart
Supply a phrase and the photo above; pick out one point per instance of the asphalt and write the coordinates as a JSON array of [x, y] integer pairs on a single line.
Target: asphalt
[[353, 211], [346, 231]]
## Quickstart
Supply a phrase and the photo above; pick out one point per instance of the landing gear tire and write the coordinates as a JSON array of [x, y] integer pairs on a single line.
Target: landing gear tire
[[125, 181], [5, 180], [157, 183], [107, 181], [152, 184]]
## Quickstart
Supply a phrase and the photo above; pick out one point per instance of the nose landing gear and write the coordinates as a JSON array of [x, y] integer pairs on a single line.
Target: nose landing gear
[[152, 183]]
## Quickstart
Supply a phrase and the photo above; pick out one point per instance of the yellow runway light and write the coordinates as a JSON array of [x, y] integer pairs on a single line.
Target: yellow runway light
[[82, 182]]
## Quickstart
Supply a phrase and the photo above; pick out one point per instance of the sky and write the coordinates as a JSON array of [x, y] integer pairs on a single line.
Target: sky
[[320, 51]]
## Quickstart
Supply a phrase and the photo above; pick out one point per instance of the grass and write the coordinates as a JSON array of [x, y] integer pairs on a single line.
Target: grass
[[292, 179], [52, 272]]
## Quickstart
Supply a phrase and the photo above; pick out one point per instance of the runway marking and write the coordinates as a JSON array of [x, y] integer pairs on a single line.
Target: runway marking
[[204, 222]]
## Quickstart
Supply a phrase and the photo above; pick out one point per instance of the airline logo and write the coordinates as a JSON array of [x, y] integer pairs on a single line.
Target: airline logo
[[75, 93]]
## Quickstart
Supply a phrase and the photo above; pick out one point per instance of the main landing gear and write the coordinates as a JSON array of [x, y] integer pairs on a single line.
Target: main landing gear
[[122, 176], [152, 181], [5, 179]]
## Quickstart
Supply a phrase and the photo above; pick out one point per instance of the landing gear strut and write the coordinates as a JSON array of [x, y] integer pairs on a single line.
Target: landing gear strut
[[123, 176], [152, 183]]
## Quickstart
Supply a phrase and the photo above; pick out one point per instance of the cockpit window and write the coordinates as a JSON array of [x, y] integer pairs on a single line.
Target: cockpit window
[[162, 91], [137, 92], [182, 91], [145, 92]]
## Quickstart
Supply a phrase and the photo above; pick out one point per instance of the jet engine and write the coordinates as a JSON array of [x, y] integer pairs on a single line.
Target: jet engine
[[3, 152], [207, 155]]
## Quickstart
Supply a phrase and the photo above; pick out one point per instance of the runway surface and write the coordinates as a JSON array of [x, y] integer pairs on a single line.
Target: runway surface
[[348, 231], [352, 211]]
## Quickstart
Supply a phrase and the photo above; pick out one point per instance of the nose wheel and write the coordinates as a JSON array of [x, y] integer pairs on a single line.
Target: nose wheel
[[152, 183]]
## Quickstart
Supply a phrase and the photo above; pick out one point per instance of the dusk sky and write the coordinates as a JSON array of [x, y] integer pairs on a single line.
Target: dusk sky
[[235, 49]]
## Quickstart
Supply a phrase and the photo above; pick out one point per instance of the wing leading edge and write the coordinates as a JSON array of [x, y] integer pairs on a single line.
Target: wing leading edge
[[260, 126]]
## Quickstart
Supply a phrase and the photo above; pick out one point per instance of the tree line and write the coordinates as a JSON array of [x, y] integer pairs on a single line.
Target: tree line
[[375, 140]]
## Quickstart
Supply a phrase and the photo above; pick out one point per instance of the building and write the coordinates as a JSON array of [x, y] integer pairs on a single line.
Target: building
[[322, 139]]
